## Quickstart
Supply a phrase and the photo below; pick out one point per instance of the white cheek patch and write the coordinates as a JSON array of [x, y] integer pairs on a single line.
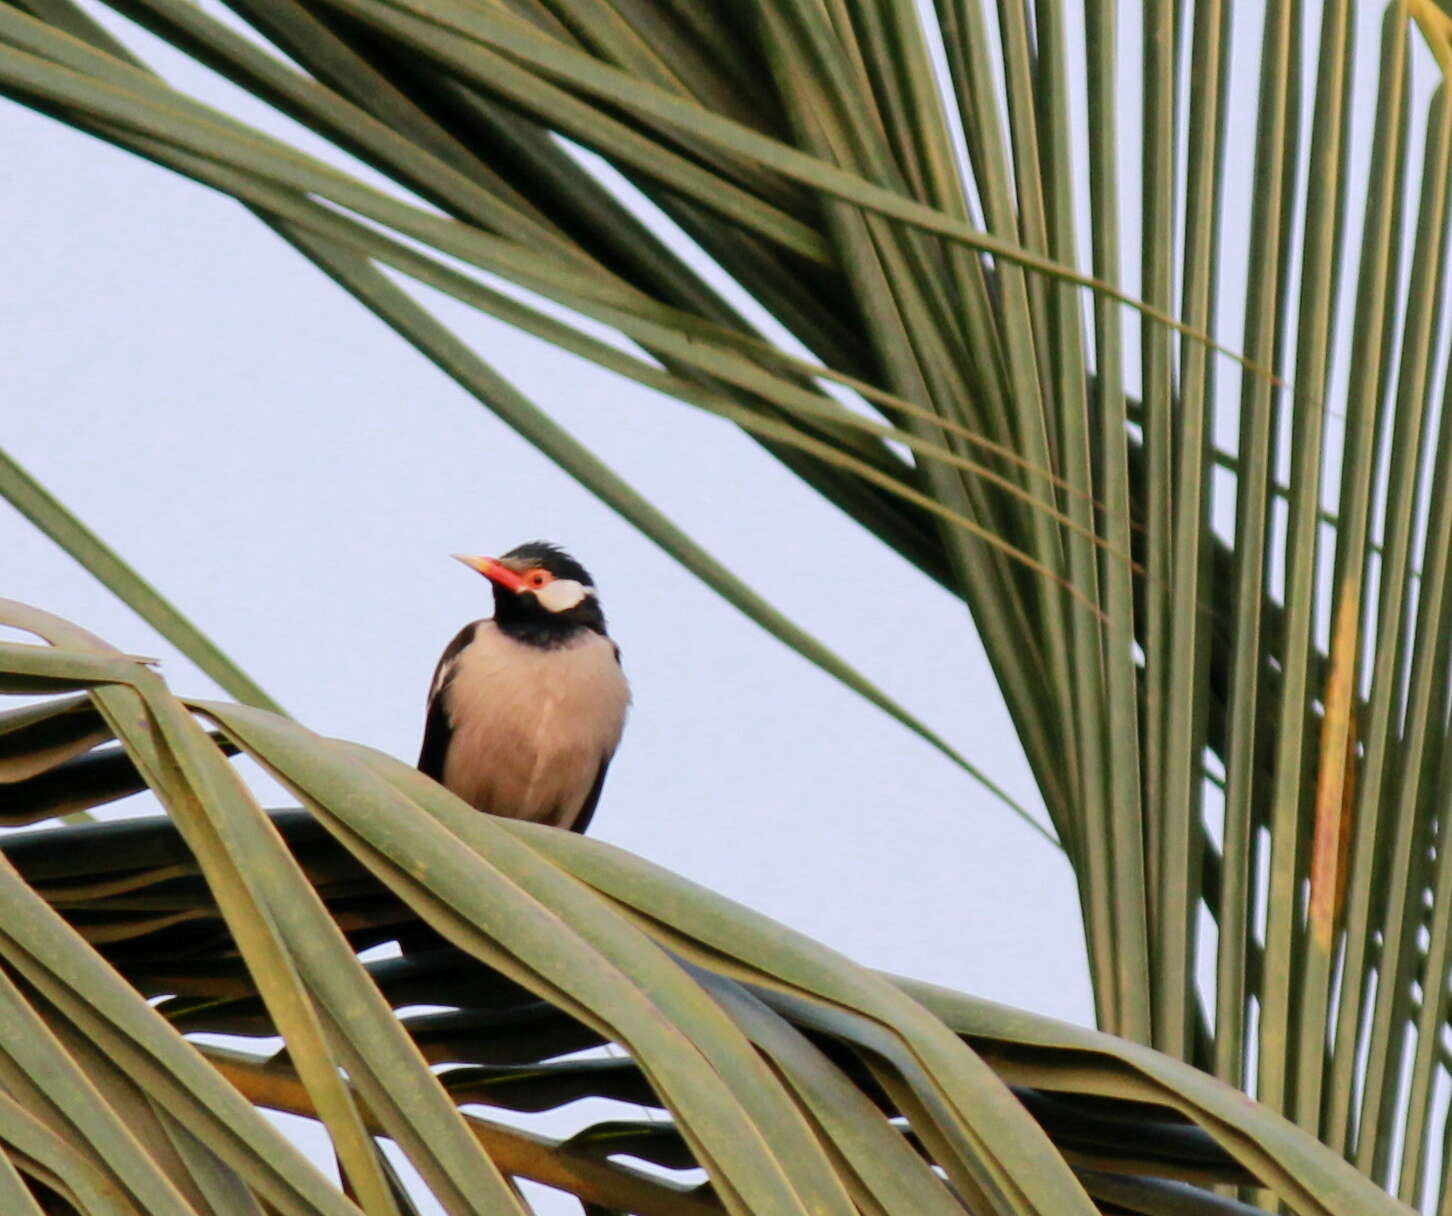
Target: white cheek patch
[[562, 594]]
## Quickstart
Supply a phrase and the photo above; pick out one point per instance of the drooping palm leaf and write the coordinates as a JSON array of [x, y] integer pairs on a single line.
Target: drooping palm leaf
[[795, 1079]]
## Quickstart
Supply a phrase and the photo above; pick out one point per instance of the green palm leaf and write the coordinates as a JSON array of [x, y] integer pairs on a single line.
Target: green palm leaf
[[795, 1079]]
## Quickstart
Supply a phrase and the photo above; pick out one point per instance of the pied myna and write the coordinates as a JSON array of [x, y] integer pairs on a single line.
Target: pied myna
[[527, 708]]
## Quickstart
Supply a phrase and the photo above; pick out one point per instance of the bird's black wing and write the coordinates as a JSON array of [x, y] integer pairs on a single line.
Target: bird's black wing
[[438, 730], [587, 809]]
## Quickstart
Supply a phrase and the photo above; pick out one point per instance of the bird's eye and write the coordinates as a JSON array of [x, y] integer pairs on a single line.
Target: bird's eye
[[537, 578]]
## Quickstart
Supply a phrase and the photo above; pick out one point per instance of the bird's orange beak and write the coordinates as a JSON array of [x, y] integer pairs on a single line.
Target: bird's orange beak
[[494, 570]]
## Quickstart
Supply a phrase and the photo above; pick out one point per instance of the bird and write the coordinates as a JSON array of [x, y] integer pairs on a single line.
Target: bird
[[526, 708]]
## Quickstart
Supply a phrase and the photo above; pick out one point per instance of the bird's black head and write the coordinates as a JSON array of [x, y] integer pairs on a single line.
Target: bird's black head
[[542, 595], [548, 557]]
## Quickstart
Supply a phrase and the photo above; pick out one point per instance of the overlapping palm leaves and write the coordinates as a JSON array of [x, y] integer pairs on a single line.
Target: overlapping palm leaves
[[798, 1081], [1233, 694]]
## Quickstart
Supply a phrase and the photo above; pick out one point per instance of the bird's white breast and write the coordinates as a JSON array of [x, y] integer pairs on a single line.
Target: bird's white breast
[[532, 726]]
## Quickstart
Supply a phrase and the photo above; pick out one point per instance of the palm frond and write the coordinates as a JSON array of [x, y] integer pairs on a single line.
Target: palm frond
[[794, 1079], [1236, 720]]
